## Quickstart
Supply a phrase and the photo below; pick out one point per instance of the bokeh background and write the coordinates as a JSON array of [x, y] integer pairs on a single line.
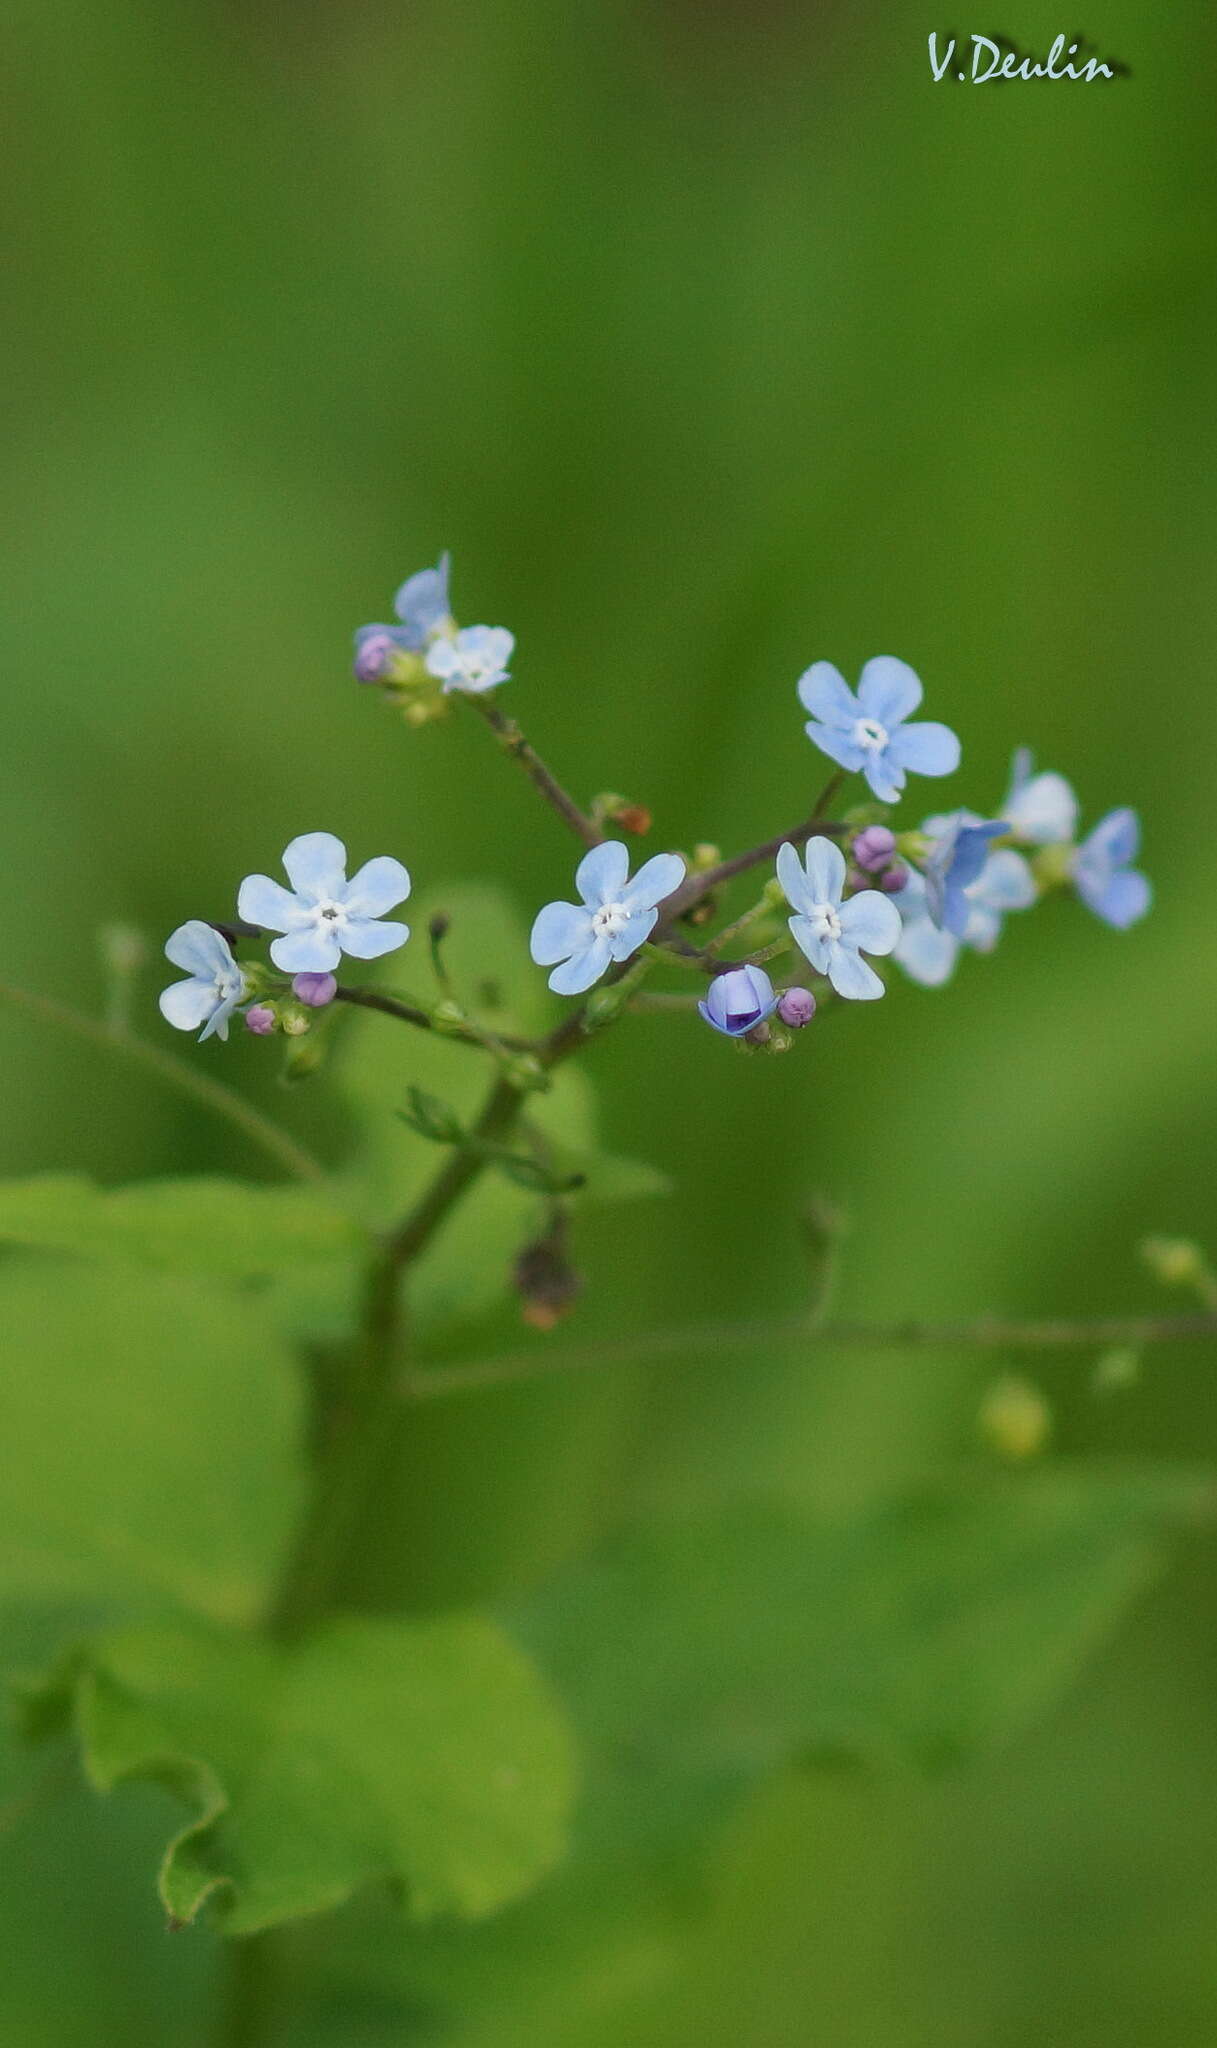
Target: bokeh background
[[711, 341]]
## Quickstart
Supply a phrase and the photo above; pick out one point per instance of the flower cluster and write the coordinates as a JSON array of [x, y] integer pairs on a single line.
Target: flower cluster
[[321, 917], [853, 890]]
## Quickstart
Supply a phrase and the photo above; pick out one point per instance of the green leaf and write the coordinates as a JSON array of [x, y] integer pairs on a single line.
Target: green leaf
[[432, 1118], [150, 1428], [428, 1753], [206, 1225]]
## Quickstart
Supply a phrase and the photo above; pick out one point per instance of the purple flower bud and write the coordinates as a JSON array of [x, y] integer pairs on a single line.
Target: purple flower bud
[[375, 647], [315, 989], [873, 848], [739, 1000], [797, 1006], [260, 1020], [895, 879]]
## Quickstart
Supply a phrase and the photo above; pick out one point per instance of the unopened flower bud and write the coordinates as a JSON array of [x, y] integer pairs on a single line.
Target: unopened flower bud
[[1015, 1419], [705, 856], [294, 1021], [527, 1074], [894, 879], [546, 1281], [260, 1020], [874, 847], [123, 948], [316, 990], [796, 1007], [375, 651], [439, 926], [738, 1002]]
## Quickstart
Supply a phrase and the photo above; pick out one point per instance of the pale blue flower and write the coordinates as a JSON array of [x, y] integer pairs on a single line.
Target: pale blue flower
[[867, 734], [216, 983], [833, 934], [926, 951], [475, 659], [738, 1000], [612, 921], [327, 916], [422, 606], [1041, 810], [1103, 874], [959, 851]]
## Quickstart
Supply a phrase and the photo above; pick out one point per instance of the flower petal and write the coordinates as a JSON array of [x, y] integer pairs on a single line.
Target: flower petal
[[1041, 809], [311, 951], [1123, 898], [581, 970], [316, 865], [824, 692], [926, 748], [217, 1024], [262, 901], [366, 938], [1114, 840], [558, 931], [655, 880], [838, 746], [793, 878], [870, 921], [810, 942], [1006, 882], [926, 954], [601, 875], [825, 865], [380, 885], [422, 600], [187, 1004], [889, 691], [633, 932], [199, 949], [885, 779], [850, 975]]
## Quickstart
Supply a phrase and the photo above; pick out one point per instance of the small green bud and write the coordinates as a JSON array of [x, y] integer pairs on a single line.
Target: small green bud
[[1176, 1262], [705, 855], [448, 1018], [123, 949], [913, 846], [258, 977], [528, 1075], [1052, 866], [778, 1040], [421, 708], [1014, 1418], [601, 1007], [294, 1020], [432, 1118], [774, 894]]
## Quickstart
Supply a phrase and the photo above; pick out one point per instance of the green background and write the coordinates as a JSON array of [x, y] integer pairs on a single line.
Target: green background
[[711, 342]]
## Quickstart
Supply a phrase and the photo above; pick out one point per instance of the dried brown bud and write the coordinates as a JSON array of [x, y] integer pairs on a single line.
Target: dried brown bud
[[545, 1280]]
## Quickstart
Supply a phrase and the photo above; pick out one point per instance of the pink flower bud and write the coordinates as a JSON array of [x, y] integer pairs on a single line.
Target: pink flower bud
[[315, 989], [797, 1006], [260, 1020]]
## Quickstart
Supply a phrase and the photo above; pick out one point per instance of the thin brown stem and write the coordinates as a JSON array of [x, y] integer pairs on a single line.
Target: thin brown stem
[[696, 886], [712, 1338], [463, 1033], [512, 740]]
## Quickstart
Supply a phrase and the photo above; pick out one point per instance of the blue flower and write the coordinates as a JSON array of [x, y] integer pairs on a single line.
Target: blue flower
[[1041, 810], [1103, 875], [959, 852], [739, 1000], [422, 606], [327, 916], [474, 660], [614, 918], [868, 733], [833, 934], [216, 983], [927, 952]]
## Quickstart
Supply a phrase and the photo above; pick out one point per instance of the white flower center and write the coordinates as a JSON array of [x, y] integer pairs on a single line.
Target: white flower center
[[610, 919], [229, 982], [824, 920], [870, 734], [327, 914]]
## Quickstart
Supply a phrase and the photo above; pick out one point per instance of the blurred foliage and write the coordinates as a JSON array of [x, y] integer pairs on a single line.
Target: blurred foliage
[[711, 342]]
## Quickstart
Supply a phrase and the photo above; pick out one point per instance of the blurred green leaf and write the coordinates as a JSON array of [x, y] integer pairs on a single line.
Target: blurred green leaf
[[428, 1753], [432, 1118], [150, 1430], [202, 1225]]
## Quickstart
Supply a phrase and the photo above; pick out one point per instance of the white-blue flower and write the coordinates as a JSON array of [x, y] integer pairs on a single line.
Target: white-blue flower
[[1104, 876], [327, 916], [422, 604], [868, 734], [612, 921], [215, 987], [833, 934], [926, 951], [1041, 810], [475, 659]]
